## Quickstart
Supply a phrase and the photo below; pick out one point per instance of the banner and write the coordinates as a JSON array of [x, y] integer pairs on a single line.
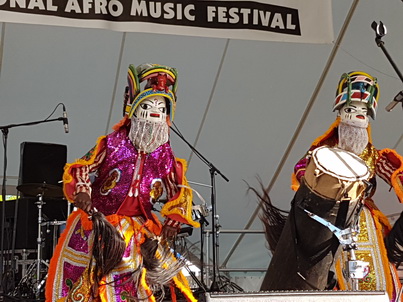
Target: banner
[[305, 21]]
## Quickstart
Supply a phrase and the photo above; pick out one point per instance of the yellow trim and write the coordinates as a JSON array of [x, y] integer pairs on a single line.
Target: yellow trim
[[158, 70], [145, 286], [134, 79], [184, 288], [132, 76], [343, 80], [181, 205], [140, 97]]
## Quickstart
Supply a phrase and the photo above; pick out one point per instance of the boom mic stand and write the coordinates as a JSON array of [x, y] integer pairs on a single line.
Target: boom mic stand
[[380, 31], [214, 228], [5, 130]]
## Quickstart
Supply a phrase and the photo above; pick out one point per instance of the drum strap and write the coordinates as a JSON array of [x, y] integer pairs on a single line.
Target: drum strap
[[342, 214]]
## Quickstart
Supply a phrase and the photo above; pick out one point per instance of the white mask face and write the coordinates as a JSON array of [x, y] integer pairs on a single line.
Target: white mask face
[[152, 109], [356, 114]]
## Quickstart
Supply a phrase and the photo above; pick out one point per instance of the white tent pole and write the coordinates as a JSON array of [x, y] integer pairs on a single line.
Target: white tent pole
[[122, 46], [302, 121], [3, 31], [210, 98]]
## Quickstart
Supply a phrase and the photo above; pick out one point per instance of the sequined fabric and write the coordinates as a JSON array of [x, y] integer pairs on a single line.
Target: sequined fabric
[[124, 172], [69, 271], [370, 156], [122, 157], [72, 279]]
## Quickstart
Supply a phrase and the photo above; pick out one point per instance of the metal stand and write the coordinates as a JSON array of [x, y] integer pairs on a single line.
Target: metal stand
[[31, 284], [215, 225], [39, 242], [380, 31], [357, 269]]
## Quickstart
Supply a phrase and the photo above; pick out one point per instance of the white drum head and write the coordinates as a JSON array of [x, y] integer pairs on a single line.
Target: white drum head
[[340, 163]]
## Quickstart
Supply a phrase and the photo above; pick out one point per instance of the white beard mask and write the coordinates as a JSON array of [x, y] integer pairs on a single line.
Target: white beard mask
[[352, 138], [147, 135]]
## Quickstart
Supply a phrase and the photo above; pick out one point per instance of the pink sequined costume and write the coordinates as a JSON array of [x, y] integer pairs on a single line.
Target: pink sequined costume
[[122, 192]]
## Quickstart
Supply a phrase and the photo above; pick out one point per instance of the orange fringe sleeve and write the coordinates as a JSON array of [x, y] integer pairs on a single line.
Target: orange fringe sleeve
[[327, 134], [124, 121], [396, 178], [294, 182]]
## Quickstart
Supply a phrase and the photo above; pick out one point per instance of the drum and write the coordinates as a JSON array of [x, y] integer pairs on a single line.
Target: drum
[[336, 174]]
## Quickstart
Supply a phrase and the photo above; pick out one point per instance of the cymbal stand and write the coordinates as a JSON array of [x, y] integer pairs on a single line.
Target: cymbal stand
[[31, 284], [39, 240]]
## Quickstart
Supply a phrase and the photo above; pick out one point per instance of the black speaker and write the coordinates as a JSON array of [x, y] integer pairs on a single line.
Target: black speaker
[[42, 162], [41, 171]]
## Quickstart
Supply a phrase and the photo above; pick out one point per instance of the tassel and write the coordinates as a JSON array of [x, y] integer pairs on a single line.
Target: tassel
[[108, 247], [272, 217], [148, 250]]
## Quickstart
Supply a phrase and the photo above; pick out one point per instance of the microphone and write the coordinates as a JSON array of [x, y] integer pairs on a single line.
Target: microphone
[[65, 120], [398, 99]]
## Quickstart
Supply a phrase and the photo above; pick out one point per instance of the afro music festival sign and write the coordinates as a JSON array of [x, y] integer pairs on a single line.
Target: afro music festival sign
[[307, 21]]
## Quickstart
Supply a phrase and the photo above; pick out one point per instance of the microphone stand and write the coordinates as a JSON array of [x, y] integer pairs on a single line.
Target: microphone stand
[[5, 130], [380, 31], [215, 226]]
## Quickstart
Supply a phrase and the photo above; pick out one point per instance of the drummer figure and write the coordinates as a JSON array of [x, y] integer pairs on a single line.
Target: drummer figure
[[356, 100]]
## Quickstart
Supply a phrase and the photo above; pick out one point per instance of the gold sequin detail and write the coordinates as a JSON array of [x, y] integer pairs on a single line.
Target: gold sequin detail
[[363, 233], [370, 156]]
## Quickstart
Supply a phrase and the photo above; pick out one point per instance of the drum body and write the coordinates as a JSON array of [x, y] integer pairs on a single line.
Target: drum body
[[336, 174], [306, 249]]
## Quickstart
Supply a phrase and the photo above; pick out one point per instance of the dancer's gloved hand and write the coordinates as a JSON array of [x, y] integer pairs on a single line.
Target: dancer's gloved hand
[[83, 201], [171, 228]]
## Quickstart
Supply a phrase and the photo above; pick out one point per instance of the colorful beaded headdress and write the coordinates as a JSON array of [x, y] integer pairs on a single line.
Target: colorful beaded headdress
[[357, 86], [161, 80]]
